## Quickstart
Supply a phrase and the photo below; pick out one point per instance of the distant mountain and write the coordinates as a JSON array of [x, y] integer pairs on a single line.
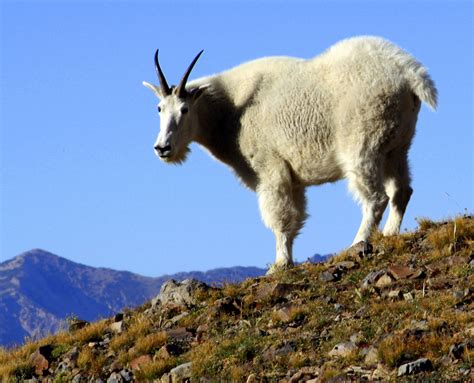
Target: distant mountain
[[38, 290], [318, 258]]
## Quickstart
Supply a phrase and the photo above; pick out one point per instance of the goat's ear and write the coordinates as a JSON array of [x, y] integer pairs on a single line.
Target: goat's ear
[[195, 93], [154, 89]]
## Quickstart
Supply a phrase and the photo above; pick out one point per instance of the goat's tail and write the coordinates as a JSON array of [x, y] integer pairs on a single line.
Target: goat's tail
[[419, 79], [422, 84]]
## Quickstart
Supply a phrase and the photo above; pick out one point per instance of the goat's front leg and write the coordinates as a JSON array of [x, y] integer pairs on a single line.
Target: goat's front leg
[[282, 206]]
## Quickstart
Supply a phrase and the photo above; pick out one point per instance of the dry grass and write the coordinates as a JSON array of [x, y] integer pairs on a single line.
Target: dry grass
[[91, 332], [155, 369], [91, 361], [320, 315], [397, 349], [139, 327]]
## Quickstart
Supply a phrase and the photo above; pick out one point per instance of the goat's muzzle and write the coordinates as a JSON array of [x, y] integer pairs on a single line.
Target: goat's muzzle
[[163, 151]]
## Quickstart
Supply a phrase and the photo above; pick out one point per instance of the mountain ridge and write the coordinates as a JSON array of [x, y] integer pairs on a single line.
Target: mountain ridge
[[39, 290]]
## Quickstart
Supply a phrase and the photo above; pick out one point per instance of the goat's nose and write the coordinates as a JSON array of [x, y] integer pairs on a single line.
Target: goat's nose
[[162, 151]]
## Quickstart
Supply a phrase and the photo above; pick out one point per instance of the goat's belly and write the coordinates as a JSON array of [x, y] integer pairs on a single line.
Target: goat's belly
[[314, 170]]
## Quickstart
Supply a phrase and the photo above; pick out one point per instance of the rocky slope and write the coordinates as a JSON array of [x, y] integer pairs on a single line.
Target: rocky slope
[[398, 309], [38, 290]]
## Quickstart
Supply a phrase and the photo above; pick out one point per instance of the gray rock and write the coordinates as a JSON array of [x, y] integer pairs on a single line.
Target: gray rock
[[115, 377], [361, 249], [117, 327], [181, 373], [372, 277], [343, 349], [331, 275], [180, 293], [127, 375], [372, 356], [415, 367], [63, 367]]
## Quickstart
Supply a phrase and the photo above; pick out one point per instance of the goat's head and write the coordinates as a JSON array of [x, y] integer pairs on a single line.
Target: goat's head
[[178, 120]]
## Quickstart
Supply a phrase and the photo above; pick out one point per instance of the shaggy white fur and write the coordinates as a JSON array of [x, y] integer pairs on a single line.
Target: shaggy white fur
[[284, 123]]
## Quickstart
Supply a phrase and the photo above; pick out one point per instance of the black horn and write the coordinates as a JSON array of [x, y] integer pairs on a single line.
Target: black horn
[[181, 90], [165, 89]]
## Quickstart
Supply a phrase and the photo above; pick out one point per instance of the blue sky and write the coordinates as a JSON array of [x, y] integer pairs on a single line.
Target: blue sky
[[79, 177]]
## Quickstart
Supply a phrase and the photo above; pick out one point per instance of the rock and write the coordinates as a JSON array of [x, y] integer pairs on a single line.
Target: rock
[[39, 363], [127, 375], [342, 349], [180, 293], [305, 374], [283, 314], [116, 365], [40, 359], [178, 333], [360, 250], [408, 296], [372, 356], [275, 291], [181, 373], [335, 272], [115, 377], [63, 367], [178, 317], [371, 278], [117, 327], [399, 271], [381, 373], [362, 373], [226, 305], [167, 351], [418, 274], [347, 265], [283, 349], [415, 367], [395, 294], [461, 294], [75, 324], [384, 281], [330, 275], [137, 363], [73, 354]]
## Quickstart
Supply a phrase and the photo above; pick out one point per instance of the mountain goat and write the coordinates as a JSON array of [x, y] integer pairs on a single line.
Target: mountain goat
[[284, 123]]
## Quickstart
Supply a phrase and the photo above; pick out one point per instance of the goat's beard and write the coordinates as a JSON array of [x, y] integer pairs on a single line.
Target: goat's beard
[[178, 158]]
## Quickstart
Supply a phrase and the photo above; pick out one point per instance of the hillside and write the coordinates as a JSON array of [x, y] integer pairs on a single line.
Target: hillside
[[38, 290], [401, 309]]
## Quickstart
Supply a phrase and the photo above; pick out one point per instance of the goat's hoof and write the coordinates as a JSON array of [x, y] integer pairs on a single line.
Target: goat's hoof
[[276, 267]]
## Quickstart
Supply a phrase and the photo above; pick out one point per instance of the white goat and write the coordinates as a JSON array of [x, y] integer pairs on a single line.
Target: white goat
[[283, 124]]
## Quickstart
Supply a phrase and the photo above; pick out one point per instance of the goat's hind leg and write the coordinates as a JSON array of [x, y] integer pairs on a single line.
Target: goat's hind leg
[[397, 186], [367, 187]]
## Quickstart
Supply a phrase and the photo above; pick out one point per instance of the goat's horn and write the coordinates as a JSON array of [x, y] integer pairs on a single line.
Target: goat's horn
[[165, 89], [181, 91]]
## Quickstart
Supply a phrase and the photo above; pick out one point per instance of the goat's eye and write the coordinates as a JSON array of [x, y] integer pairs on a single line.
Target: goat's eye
[[159, 109], [184, 109]]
